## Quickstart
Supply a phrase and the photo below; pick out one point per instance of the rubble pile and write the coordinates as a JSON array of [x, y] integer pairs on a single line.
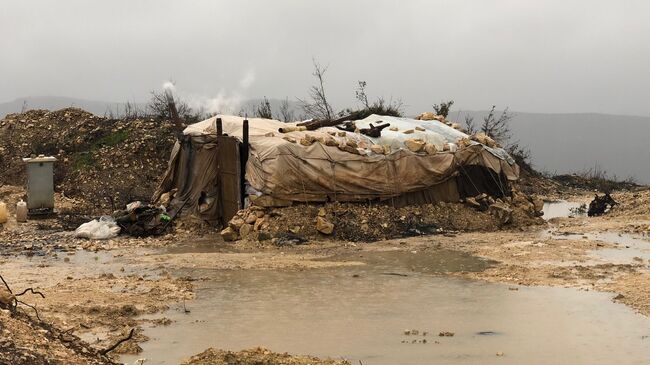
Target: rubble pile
[[633, 204], [372, 222], [102, 162]]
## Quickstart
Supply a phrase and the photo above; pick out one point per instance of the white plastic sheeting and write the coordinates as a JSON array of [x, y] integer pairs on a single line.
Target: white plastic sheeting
[[435, 132], [98, 229]]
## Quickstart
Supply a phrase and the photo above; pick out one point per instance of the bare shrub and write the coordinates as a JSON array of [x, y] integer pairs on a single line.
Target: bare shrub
[[317, 107]]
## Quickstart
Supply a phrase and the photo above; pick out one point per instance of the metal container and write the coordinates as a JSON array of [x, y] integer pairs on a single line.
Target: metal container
[[40, 184]]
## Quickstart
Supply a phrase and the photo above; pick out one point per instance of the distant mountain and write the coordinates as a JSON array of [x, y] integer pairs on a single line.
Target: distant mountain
[[564, 143], [559, 143]]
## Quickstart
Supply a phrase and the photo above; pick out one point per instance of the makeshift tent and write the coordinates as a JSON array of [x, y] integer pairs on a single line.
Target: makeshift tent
[[328, 164]]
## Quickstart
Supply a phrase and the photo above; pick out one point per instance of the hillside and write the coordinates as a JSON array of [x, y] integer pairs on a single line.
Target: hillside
[[564, 143]]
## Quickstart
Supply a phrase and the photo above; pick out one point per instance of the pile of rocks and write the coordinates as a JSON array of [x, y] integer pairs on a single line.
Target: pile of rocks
[[503, 208], [372, 222], [250, 223]]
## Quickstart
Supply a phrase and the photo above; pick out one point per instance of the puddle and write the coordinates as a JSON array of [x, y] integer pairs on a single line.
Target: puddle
[[361, 314], [428, 260], [630, 249], [561, 209], [201, 245]]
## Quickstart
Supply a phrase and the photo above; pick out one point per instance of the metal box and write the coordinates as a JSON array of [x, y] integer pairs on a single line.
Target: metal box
[[40, 184]]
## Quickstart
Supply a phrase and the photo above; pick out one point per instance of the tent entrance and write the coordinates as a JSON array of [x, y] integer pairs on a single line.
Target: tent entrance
[[228, 177]]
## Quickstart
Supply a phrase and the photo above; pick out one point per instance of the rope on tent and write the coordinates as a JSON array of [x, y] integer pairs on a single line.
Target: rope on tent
[[388, 171], [468, 177], [499, 184], [333, 164], [304, 191]]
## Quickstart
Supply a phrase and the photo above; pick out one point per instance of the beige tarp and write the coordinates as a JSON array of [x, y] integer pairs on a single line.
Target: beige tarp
[[318, 172]]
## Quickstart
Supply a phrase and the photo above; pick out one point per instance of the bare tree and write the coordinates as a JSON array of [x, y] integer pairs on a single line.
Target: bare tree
[[318, 107], [158, 106], [443, 108], [264, 109], [497, 128], [361, 94], [470, 127], [286, 114]]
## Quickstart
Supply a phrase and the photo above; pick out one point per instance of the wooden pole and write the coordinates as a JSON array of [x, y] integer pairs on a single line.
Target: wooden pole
[[219, 127], [243, 158]]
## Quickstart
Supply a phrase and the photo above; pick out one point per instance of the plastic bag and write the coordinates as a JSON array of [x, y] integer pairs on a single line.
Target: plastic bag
[[98, 229]]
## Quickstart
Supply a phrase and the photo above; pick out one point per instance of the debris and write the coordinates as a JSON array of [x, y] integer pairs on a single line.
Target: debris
[[98, 229], [373, 131], [600, 205], [446, 334], [111, 348], [324, 226], [229, 234], [502, 211]]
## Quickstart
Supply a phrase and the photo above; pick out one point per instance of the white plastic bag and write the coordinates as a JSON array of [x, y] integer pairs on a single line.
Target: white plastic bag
[[98, 229]]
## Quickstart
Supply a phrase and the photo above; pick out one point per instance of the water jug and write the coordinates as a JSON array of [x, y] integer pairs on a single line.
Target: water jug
[[21, 211], [3, 212]]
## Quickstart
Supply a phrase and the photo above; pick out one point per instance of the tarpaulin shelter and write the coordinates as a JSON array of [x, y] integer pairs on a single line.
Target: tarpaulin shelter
[[206, 166]]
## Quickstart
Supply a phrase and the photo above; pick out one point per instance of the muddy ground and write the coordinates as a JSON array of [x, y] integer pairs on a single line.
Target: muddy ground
[[100, 290]]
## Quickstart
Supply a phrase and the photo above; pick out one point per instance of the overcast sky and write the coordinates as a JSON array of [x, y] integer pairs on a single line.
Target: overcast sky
[[536, 56]]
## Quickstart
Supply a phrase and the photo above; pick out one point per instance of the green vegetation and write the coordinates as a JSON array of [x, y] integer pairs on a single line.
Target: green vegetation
[[110, 140], [85, 160], [82, 161]]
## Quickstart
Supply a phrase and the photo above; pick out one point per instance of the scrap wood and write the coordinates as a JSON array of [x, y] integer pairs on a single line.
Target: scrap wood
[[348, 127], [315, 124], [373, 131], [14, 301]]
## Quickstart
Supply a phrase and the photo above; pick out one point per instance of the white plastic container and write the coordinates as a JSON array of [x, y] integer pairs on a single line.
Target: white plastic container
[[21, 211], [3, 212]]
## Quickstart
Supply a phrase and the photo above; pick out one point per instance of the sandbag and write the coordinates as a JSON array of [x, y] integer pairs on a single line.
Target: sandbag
[[98, 229]]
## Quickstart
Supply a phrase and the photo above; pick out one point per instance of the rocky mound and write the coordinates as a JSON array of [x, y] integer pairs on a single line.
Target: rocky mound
[[264, 220], [27, 341], [105, 163], [256, 356]]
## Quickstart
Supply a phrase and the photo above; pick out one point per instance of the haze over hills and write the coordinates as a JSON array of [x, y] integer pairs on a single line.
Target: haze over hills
[[559, 143], [565, 143]]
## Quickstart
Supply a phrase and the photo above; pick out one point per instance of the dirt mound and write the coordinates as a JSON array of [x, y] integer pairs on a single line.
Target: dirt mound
[[256, 356], [632, 204], [602, 184], [366, 223], [24, 340], [103, 162]]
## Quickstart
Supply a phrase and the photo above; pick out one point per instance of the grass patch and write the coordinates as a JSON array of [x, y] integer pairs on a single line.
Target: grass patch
[[82, 161], [110, 140], [85, 160]]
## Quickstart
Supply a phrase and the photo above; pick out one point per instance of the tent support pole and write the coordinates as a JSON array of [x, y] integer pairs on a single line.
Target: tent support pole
[[243, 158], [219, 127]]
